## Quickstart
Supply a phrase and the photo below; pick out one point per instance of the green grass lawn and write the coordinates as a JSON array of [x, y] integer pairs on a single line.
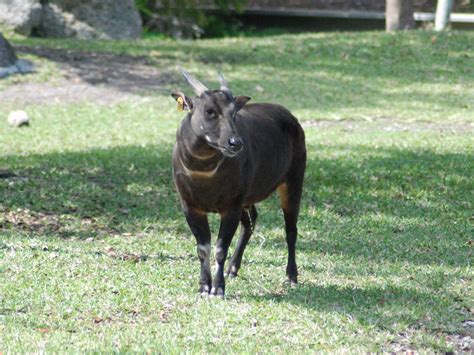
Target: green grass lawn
[[95, 254]]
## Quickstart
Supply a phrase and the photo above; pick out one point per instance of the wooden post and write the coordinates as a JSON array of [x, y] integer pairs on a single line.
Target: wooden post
[[443, 13]]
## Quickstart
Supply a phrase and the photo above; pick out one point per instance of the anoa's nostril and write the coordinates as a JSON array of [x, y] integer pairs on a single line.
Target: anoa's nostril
[[236, 143]]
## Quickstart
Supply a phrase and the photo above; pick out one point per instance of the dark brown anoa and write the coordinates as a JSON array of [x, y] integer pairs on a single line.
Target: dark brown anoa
[[229, 156]]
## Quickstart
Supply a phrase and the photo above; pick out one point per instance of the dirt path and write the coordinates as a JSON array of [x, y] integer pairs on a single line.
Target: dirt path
[[102, 78]]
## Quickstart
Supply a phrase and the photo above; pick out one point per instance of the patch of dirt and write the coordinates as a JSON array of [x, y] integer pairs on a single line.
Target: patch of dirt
[[29, 221], [64, 91], [64, 225], [103, 78], [462, 343], [390, 125]]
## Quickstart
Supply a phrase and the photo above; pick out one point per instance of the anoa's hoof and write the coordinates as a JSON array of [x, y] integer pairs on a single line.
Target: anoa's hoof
[[217, 292]]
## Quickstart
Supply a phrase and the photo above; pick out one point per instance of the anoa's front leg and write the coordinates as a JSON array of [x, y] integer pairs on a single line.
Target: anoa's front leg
[[229, 222]]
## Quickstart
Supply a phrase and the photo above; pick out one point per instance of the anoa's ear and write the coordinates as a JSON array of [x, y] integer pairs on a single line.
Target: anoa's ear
[[184, 102], [240, 101]]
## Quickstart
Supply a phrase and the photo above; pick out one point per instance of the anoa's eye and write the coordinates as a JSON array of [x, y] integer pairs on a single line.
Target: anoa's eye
[[210, 112]]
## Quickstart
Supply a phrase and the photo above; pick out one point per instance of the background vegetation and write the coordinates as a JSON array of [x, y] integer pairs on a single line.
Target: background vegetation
[[184, 19]]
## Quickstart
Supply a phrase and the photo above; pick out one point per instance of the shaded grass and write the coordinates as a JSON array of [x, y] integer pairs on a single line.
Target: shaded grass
[[96, 256]]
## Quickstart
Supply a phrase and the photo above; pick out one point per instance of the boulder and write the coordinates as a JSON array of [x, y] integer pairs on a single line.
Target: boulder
[[59, 23], [9, 63], [18, 118], [21, 15], [83, 19], [7, 54]]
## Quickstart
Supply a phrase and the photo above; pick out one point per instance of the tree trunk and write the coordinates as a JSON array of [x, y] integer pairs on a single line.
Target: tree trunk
[[443, 13], [399, 15], [7, 54]]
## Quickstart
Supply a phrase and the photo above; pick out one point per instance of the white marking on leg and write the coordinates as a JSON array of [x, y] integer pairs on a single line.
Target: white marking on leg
[[204, 250], [219, 253], [204, 253]]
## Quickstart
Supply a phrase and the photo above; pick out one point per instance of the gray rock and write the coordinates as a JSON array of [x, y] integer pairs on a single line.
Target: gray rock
[[18, 118], [7, 54], [6, 71], [104, 19], [84, 19], [24, 66], [60, 23], [9, 63], [21, 66], [21, 15]]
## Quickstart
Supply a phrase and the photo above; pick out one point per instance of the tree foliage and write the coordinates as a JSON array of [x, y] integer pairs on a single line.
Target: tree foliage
[[186, 18]]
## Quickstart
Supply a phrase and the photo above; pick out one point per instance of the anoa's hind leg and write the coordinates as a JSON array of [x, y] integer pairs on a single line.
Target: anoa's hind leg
[[247, 225], [290, 198]]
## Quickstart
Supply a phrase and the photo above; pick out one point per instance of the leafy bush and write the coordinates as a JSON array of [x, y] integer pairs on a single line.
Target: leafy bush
[[187, 18]]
